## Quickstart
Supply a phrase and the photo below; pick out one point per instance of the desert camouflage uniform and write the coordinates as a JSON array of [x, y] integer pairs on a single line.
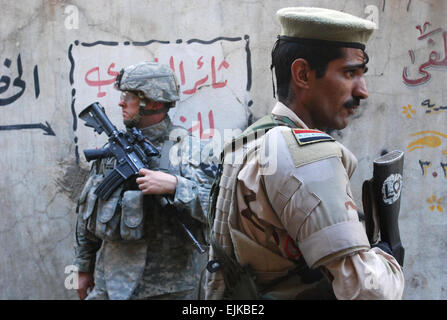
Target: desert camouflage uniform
[[164, 264], [287, 213]]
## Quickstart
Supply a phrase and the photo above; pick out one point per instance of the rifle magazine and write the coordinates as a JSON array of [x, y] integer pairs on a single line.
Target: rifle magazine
[[109, 184]]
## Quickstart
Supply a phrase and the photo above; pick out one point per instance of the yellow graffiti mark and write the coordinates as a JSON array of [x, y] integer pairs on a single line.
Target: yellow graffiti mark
[[431, 141], [408, 110], [429, 131], [435, 203]]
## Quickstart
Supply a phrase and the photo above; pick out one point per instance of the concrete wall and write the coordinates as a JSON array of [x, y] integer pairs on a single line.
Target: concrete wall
[[58, 56]]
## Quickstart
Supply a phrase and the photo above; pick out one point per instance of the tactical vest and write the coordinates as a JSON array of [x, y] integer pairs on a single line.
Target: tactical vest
[[226, 278], [122, 216]]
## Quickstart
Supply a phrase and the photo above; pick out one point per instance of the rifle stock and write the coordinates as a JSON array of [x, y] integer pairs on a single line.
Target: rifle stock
[[381, 201]]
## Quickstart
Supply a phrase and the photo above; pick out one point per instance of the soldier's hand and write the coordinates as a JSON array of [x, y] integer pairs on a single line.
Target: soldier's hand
[[156, 182], [85, 282]]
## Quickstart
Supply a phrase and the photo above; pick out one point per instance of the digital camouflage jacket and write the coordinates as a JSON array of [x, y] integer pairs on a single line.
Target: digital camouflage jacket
[[142, 249]]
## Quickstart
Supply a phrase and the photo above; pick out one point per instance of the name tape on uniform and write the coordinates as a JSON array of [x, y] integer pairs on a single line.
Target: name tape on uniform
[[306, 136]]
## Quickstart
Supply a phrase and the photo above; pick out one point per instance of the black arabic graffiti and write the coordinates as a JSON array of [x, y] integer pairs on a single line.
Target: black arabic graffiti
[[18, 82], [45, 127], [431, 107], [14, 95]]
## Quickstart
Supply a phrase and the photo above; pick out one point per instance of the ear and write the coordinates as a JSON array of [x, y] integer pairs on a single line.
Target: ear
[[301, 73]]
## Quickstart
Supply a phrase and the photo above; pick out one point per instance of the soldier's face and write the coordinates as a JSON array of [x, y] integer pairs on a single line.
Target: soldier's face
[[129, 102], [336, 96]]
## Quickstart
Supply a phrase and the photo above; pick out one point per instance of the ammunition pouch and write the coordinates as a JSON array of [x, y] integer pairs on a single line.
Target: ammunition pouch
[[301, 283], [120, 218], [132, 216], [244, 288]]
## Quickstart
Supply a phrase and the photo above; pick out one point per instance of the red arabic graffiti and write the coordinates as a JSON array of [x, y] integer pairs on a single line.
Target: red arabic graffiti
[[188, 82], [434, 58], [198, 125], [204, 79], [98, 82]]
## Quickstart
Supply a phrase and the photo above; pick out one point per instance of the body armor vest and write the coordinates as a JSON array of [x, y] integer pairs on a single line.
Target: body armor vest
[[226, 277]]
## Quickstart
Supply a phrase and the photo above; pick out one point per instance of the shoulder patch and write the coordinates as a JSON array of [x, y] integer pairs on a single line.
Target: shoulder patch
[[307, 136], [305, 153]]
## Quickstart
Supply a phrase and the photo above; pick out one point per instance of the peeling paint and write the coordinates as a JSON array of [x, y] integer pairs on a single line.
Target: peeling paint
[[70, 179]]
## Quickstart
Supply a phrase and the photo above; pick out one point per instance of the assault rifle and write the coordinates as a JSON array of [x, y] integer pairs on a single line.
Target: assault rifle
[[132, 150]]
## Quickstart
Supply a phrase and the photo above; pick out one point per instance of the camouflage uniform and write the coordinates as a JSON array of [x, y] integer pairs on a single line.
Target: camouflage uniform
[[143, 250], [285, 223]]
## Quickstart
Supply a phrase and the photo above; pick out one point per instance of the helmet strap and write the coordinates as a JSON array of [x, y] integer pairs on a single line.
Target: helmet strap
[[132, 122], [151, 112], [142, 112]]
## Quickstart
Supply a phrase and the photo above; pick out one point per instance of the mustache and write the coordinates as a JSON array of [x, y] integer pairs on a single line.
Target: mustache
[[351, 103]]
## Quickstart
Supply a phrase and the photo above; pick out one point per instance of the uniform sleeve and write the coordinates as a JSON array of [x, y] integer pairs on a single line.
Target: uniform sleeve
[[329, 226], [310, 192], [86, 246], [371, 274], [194, 180]]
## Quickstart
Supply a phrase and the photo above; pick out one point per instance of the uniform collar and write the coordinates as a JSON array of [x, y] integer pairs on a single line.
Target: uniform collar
[[158, 130], [282, 110]]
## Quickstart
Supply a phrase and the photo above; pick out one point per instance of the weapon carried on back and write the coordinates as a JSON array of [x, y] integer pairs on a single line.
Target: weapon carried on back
[[381, 202], [131, 149]]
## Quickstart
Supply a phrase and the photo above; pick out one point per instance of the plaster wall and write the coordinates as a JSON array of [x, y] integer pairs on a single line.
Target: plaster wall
[[56, 57]]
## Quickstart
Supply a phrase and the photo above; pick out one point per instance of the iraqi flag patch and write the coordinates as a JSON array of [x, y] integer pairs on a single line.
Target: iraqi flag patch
[[307, 136]]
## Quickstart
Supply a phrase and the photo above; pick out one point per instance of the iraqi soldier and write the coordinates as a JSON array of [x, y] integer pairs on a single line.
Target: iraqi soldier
[[143, 252], [285, 225]]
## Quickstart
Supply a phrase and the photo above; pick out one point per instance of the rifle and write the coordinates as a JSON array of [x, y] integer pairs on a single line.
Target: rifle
[[131, 149], [381, 202]]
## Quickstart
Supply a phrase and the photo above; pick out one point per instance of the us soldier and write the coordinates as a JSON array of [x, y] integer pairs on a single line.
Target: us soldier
[[143, 250], [285, 225]]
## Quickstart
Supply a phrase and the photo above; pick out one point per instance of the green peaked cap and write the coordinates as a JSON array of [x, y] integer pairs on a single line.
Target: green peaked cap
[[308, 24]]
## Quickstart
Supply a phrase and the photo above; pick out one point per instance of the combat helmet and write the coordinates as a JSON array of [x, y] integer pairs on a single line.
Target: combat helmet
[[149, 80]]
